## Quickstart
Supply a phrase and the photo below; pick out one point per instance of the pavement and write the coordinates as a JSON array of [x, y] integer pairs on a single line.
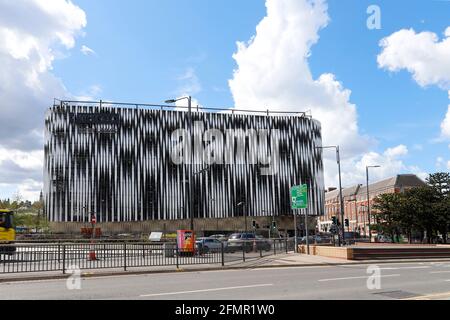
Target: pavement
[[272, 261], [315, 279]]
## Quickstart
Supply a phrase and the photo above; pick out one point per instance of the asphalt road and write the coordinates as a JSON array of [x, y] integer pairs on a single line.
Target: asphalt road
[[429, 280]]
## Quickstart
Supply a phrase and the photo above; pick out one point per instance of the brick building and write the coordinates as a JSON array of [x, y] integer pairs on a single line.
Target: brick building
[[355, 201]]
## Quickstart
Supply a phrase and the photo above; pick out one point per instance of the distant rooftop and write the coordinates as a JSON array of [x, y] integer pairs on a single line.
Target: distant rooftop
[[400, 181]]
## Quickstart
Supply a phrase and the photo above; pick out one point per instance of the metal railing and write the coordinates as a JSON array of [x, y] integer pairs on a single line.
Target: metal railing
[[256, 111], [21, 257]]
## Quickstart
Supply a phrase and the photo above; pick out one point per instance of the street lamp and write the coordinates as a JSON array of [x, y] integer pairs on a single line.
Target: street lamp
[[368, 200], [191, 203], [341, 200], [241, 204]]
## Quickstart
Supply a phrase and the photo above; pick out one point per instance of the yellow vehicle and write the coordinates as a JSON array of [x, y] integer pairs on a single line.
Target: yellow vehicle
[[7, 231]]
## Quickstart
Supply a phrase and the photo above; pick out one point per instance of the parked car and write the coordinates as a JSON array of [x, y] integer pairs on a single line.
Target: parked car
[[311, 239], [351, 235], [209, 244], [383, 238], [247, 241], [220, 237], [263, 243]]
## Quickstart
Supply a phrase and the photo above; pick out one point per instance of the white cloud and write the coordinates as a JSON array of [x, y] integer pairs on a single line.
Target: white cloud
[[91, 94], [87, 51], [30, 189], [391, 163], [448, 165], [439, 162], [32, 34], [273, 72], [424, 56], [445, 125], [190, 83]]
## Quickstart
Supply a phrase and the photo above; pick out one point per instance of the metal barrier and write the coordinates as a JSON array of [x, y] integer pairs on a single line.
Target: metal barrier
[[61, 256]]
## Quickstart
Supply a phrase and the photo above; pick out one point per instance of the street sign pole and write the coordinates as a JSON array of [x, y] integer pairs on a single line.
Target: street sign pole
[[299, 200], [295, 232], [306, 231]]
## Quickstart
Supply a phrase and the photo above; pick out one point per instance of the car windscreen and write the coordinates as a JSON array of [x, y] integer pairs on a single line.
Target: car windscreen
[[5, 220], [235, 236]]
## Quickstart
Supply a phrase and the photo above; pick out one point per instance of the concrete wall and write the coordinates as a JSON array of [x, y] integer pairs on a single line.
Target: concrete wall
[[327, 251], [225, 225]]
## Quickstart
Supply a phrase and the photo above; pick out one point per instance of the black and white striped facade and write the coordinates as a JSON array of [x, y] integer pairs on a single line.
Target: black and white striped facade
[[117, 163]]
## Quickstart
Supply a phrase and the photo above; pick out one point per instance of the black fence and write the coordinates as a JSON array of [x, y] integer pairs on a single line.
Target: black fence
[[63, 256]]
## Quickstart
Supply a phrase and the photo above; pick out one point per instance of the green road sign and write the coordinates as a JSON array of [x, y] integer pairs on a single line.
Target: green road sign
[[299, 197]]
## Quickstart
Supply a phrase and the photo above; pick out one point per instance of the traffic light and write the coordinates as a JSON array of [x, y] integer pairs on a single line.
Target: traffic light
[[274, 224], [254, 223], [333, 218], [347, 223]]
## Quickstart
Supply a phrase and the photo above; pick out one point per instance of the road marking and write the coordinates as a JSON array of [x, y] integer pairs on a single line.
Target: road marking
[[437, 296], [206, 290], [400, 268], [364, 277], [287, 267], [436, 272]]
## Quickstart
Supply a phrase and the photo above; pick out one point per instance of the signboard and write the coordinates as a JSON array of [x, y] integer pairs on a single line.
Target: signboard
[[186, 241], [299, 197], [155, 236], [94, 118]]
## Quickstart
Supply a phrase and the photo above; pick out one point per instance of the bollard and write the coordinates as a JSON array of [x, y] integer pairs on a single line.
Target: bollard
[[286, 244], [176, 251], [243, 252], [64, 259], [223, 255], [274, 247], [125, 256]]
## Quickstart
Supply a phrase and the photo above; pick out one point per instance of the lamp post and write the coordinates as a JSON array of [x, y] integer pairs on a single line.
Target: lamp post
[[191, 203], [341, 200], [368, 199], [241, 204]]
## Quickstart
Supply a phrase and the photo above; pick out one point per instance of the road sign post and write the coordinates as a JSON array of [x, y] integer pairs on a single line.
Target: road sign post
[[92, 255], [299, 200]]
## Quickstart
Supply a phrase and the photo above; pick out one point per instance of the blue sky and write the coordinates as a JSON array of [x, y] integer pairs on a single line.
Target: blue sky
[[143, 47], [147, 51]]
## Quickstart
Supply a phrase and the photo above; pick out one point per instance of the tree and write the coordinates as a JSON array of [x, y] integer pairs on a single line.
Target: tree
[[440, 181], [387, 211], [442, 212], [422, 201]]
